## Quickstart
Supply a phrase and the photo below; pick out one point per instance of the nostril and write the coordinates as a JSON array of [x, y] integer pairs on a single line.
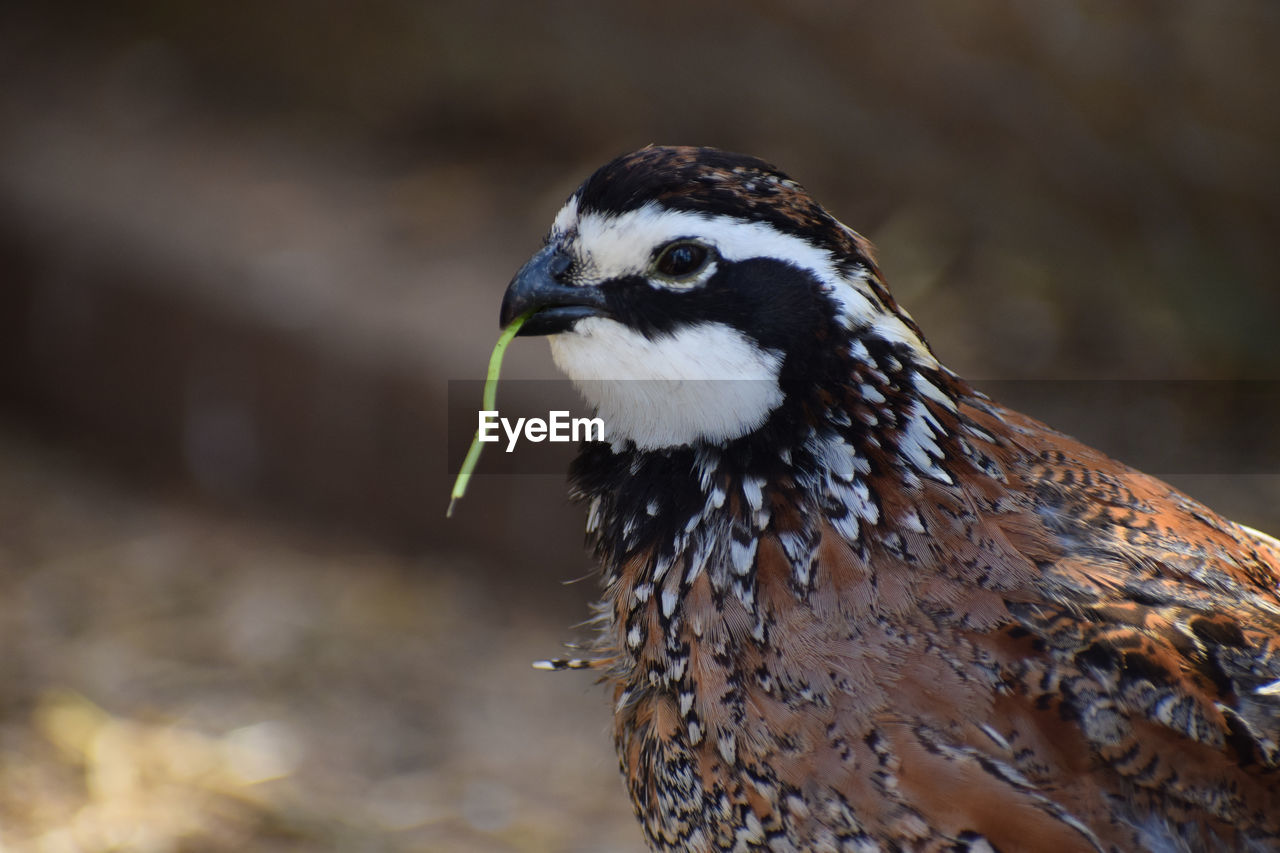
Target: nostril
[[560, 266]]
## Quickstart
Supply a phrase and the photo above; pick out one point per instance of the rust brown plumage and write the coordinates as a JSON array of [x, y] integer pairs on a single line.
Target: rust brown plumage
[[872, 609]]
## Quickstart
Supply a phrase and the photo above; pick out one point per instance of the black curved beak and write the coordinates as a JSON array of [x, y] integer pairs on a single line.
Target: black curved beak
[[538, 287]]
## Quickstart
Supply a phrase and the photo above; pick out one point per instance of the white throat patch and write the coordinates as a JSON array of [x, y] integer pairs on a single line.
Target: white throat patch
[[706, 382]]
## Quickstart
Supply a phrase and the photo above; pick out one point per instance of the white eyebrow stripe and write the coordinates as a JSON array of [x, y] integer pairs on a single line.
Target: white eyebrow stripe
[[623, 244], [565, 218], [618, 245]]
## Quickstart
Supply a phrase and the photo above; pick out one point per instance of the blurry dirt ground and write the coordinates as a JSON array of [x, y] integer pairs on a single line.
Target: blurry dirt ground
[[179, 680]]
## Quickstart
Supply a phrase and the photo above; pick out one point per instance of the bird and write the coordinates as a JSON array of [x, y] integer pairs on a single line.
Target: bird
[[848, 602]]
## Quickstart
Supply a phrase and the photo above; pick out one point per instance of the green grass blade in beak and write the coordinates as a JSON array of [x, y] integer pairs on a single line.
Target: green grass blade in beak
[[489, 401]]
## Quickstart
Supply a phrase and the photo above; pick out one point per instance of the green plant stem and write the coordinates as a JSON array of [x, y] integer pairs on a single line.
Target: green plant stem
[[489, 401]]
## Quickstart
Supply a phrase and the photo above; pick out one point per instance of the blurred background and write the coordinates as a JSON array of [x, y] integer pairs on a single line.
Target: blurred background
[[244, 249]]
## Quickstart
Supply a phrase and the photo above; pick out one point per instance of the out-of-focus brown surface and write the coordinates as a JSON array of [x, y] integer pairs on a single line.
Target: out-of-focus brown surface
[[244, 250], [185, 680]]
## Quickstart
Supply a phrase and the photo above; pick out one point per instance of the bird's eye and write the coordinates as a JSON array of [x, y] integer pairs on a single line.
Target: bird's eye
[[682, 259]]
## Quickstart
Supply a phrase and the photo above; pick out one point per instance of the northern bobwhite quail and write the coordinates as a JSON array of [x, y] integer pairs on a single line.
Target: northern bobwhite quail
[[852, 604]]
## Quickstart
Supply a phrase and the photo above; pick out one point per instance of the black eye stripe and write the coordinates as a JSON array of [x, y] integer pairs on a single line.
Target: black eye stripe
[[682, 259]]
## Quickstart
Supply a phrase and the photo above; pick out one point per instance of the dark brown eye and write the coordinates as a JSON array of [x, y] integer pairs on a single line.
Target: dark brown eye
[[681, 260]]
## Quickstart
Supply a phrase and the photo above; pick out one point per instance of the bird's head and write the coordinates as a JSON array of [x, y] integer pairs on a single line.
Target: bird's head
[[690, 292]]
